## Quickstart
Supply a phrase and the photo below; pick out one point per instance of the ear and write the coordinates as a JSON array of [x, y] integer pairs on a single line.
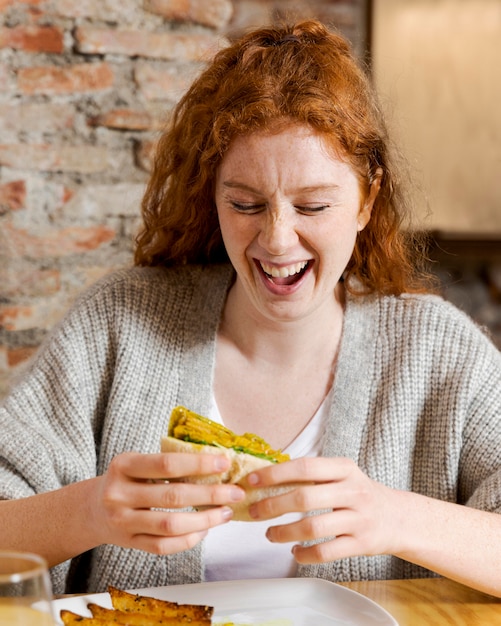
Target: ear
[[365, 212]]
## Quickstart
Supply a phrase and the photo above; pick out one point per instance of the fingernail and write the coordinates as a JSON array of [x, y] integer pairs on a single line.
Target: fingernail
[[253, 479], [221, 463], [236, 494], [253, 511], [227, 513]]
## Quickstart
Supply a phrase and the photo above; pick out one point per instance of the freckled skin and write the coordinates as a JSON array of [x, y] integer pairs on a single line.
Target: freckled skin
[[284, 201]]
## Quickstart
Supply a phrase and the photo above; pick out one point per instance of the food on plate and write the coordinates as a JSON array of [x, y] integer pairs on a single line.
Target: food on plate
[[193, 433], [131, 602], [130, 609]]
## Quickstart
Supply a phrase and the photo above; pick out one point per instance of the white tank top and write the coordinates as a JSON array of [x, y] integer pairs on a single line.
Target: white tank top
[[239, 550]]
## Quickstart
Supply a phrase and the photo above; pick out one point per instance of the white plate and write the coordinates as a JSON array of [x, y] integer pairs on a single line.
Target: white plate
[[296, 601]]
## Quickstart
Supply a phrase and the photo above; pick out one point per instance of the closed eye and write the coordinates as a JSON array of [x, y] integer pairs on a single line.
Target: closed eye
[[247, 208], [244, 207], [312, 209]]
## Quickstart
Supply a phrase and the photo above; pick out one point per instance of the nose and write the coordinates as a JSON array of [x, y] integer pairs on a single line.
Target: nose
[[278, 233]]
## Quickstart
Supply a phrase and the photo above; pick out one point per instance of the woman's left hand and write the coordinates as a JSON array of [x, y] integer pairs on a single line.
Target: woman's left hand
[[358, 515]]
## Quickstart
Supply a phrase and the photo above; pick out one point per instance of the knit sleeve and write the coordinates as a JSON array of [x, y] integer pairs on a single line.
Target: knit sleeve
[[50, 422], [480, 463]]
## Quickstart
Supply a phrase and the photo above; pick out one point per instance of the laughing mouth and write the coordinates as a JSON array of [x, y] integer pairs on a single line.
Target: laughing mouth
[[284, 275]]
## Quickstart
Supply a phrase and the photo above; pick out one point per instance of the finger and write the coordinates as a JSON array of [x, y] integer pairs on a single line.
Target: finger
[[167, 465], [304, 469], [174, 524], [313, 527], [165, 495], [326, 551], [339, 534], [166, 545], [304, 499]]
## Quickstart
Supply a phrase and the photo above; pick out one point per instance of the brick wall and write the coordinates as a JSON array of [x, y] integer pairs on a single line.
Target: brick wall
[[85, 86]]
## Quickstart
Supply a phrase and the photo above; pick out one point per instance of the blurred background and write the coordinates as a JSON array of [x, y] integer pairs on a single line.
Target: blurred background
[[85, 86]]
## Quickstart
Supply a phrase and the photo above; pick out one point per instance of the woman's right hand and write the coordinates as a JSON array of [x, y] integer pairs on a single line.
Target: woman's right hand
[[137, 507]]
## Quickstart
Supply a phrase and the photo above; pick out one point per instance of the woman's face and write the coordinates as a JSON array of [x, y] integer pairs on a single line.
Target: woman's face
[[289, 213]]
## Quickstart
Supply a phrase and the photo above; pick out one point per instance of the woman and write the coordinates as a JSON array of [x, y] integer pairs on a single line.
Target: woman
[[276, 290]]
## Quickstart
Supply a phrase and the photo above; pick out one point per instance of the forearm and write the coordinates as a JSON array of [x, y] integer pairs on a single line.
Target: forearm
[[57, 524], [456, 541], [132, 505]]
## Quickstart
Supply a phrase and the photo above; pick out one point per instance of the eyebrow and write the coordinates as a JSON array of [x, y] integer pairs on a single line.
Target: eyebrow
[[319, 187]]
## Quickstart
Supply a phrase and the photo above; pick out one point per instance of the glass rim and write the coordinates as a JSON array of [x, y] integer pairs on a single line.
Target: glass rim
[[37, 562]]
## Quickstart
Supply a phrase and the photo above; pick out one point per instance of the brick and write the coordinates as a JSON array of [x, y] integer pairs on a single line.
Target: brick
[[151, 119], [5, 4], [96, 201], [216, 13], [13, 362], [57, 243], [80, 78], [41, 118], [42, 314], [51, 158], [33, 39], [14, 317], [29, 282], [44, 199], [12, 195], [16, 356], [166, 45], [163, 84], [124, 119], [103, 10]]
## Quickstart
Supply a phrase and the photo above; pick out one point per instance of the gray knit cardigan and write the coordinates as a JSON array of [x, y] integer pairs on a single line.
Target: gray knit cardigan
[[416, 403]]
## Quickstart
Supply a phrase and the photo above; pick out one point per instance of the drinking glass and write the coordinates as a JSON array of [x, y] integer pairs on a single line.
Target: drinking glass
[[25, 590]]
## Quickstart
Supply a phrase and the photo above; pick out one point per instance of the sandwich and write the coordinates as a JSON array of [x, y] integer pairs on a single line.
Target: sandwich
[[195, 434]]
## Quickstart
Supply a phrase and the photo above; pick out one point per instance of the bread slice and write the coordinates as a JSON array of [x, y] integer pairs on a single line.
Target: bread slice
[[241, 465]]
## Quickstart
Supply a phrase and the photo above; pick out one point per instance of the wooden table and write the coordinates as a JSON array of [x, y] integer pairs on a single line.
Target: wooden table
[[432, 602]]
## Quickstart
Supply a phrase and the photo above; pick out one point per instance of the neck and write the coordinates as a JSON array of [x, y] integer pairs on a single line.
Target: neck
[[293, 341]]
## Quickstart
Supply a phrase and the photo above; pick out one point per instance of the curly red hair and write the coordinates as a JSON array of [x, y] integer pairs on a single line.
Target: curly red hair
[[301, 74]]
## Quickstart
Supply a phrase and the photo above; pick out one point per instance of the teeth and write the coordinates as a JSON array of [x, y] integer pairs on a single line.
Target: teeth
[[284, 272]]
